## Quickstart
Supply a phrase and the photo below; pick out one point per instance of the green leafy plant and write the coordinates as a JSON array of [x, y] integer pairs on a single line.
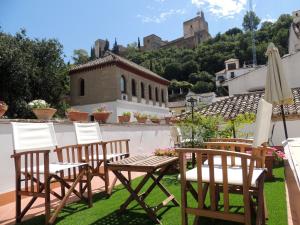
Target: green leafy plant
[[126, 114], [38, 104], [154, 117], [140, 115], [102, 108]]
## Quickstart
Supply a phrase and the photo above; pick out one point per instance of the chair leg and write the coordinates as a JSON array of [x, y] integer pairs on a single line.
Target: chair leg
[[89, 186], [47, 200], [106, 177], [18, 203]]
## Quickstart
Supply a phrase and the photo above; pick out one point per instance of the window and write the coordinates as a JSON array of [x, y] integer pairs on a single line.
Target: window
[[142, 90], [232, 74], [123, 84], [150, 93], [231, 66], [81, 88], [156, 94], [162, 96], [133, 87]]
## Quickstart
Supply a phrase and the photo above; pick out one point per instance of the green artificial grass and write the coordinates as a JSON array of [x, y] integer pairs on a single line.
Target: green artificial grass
[[105, 210]]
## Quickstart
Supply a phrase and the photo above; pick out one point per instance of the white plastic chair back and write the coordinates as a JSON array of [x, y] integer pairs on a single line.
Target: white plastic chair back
[[87, 133], [262, 123], [33, 136], [176, 135]]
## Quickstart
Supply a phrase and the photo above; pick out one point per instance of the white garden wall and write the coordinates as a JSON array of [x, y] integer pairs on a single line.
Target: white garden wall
[[144, 139]]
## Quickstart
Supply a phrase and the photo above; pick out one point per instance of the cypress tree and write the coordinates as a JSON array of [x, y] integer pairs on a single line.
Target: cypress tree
[[106, 47], [139, 43], [115, 47]]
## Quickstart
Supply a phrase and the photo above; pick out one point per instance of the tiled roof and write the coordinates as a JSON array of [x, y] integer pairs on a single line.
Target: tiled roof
[[230, 107], [112, 59]]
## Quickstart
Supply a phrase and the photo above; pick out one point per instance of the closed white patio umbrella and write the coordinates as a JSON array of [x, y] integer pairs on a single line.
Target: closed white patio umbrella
[[277, 91]]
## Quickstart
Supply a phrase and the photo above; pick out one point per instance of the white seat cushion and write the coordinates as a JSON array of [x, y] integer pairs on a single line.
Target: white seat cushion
[[234, 175], [108, 156], [55, 167]]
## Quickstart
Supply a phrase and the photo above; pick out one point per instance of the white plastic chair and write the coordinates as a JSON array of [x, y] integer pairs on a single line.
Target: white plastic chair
[[97, 152], [34, 173]]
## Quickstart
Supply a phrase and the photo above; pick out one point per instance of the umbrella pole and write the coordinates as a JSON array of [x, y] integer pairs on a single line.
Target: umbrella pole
[[284, 122]]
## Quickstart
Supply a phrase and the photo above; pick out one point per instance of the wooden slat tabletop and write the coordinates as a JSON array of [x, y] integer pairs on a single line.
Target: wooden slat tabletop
[[142, 163]]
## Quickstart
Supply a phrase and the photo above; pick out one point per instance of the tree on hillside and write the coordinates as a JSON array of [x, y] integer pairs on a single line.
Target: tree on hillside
[[80, 56], [234, 31], [93, 56], [31, 69], [139, 44], [115, 47], [173, 71], [106, 46], [201, 76], [247, 21]]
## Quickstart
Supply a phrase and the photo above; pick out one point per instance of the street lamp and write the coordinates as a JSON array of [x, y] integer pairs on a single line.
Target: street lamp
[[192, 102]]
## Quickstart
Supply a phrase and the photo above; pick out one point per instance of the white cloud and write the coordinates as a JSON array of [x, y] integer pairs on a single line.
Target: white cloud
[[222, 8], [268, 18], [162, 16]]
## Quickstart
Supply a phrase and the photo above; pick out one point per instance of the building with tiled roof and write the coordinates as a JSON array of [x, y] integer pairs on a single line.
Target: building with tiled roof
[[120, 84], [237, 104]]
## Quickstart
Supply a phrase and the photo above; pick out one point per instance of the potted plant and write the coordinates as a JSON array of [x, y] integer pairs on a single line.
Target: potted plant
[[76, 115], [155, 119], [168, 119], [174, 120], [101, 114], [3, 108], [141, 118], [41, 109], [125, 118]]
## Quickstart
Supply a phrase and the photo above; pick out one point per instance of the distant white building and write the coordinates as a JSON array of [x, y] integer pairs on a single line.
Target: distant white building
[[232, 70], [255, 80]]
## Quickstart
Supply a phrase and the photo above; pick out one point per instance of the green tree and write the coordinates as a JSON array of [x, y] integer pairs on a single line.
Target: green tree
[[247, 24], [93, 56], [173, 71], [115, 47], [31, 69], [139, 44], [80, 56], [106, 46]]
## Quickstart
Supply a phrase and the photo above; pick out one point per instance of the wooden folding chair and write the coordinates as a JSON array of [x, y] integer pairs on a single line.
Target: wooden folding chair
[[243, 140], [246, 178], [34, 173], [98, 153]]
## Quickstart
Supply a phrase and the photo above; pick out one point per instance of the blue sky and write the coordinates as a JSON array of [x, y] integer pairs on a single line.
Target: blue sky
[[78, 23]]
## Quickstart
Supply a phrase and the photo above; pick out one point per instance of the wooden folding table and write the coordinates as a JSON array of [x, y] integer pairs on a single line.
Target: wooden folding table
[[150, 165]]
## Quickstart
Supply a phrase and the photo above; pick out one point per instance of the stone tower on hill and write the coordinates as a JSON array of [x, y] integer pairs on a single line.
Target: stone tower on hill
[[195, 31]]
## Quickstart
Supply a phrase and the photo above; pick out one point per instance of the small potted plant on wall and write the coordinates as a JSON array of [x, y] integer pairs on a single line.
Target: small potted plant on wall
[[140, 117], [3, 108], [168, 118], [155, 119], [76, 115], [101, 114], [125, 118], [41, 109]]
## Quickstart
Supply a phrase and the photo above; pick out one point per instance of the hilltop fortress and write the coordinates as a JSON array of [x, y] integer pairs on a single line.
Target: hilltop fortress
[[195, 31]]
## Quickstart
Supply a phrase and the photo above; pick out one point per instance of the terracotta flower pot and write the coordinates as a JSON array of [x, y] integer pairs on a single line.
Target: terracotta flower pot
[[141, 119], [124, 119], [101, 116], [174, 120], [3, 109], [168, 119], [78, 116], [155, 120], [44, 114]]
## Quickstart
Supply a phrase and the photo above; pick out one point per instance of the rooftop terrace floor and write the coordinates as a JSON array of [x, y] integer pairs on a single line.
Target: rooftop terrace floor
[[104, 210]]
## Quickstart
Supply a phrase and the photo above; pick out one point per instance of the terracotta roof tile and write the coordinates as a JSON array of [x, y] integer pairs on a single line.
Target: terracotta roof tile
[[230, 107], [110, 59]]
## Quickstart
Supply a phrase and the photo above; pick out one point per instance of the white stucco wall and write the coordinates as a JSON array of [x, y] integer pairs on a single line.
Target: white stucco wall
[[120, 106], [144, 139], [278, 134], [256, 79]]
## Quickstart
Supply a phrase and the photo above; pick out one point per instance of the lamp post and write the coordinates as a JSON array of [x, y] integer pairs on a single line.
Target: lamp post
[[192, 102]]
